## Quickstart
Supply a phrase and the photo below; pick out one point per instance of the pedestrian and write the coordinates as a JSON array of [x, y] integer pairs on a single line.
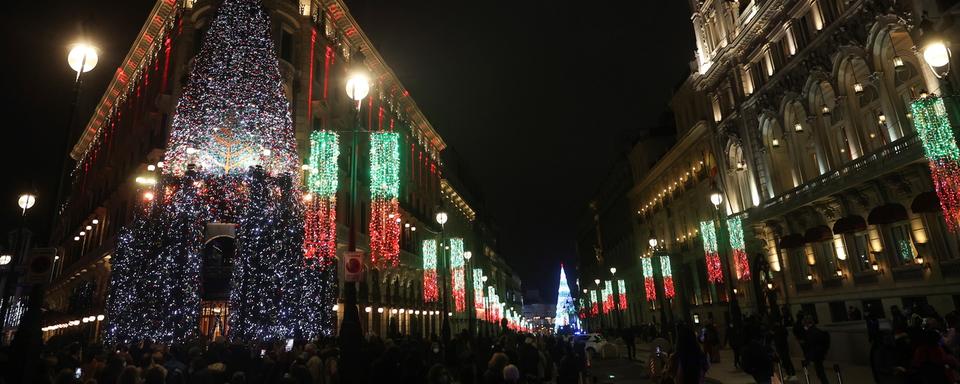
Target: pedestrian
[[711, 341], [736, 341], [569, 367], [494, 372], [688, 364], [816, 343], [629, 340], [756, 358], [511, 375], [782, 346]]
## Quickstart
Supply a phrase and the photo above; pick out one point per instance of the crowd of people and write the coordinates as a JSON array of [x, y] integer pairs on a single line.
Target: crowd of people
[[509, 358], [915, 345]]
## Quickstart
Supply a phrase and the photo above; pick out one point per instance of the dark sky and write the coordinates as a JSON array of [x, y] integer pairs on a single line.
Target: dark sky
[[537, 97]]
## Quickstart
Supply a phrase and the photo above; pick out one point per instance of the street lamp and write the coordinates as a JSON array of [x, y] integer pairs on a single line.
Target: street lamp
[[937, 56], [82, 56], [26, 201], [652, 242], [351, 335], [597, 281], [5, 259], [716, 198], [444, 315], [613, 270]]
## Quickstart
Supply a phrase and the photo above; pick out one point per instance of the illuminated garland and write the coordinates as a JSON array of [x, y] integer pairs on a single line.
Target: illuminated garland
[[430, 292], [709, 236], [649, 286], [667, 273], [622, 293], [608, 304], [384, 205], [904, 250], [320, 218], [478, 304], [595, 302], [940, 146], [457, 274], [740, 262]]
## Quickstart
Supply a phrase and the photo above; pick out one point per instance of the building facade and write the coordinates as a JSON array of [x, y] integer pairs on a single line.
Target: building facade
[[316, 43], [797, 114]]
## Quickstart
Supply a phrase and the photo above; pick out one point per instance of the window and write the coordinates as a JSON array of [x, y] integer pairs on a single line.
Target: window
[[768, 63], [838, 311], [286, 45], [902, 245], [799, 262], [858, 250]]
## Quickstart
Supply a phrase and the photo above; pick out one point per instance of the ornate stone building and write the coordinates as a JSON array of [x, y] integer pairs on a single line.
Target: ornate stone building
[[315, 42]]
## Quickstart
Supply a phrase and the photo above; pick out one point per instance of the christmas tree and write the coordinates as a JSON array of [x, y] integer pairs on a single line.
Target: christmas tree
[[566, 313], [231, 159]]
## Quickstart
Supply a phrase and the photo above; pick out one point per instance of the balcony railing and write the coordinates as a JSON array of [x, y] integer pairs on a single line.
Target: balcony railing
[[864, 168]]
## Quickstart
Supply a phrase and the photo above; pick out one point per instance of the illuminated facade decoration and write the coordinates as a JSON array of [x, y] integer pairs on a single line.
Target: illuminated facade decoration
[[622, 294], [740, 261], [667, 274], [320, 216], [940, 148], [430, 291], [649, 285], [708, 233], [457, 274], [384, 199]]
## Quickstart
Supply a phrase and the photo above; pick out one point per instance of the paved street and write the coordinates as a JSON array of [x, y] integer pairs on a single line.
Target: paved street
[[616, 371]]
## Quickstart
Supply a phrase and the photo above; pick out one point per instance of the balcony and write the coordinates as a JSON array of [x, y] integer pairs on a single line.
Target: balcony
[[891, 157]]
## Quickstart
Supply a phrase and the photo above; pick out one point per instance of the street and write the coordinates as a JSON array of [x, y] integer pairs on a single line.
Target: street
[[617, 370]]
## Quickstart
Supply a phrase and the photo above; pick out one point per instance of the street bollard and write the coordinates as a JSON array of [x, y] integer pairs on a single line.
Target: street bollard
[[806, 373], [836, 368]]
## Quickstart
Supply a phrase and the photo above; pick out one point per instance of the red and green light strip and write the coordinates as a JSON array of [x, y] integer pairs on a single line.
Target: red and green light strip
[[385, 219], [709, 236], [430, 292], [741, 264], [667, 272], [649, 285], [940, 147], [320, 218], [457, 274], [622, 293]]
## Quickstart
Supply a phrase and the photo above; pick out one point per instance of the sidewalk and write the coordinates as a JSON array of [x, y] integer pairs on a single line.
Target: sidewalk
[[724, 371]]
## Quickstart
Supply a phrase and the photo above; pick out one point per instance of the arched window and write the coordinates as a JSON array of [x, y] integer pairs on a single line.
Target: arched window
[[900, 78], [739, 181], [781, 173], [861, 105], [804, 142], [828, 119]]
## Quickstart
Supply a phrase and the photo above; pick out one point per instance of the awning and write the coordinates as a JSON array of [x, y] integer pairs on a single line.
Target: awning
[[886, 214], [927, 202], [849, 224], [791, 241], [818, 234]]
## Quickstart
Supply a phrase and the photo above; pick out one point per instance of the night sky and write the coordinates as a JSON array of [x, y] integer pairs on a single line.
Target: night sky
[[537, 98]]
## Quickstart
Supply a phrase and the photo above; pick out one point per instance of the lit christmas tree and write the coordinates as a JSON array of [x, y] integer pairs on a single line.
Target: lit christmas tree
[[566, 312], [231, 159]]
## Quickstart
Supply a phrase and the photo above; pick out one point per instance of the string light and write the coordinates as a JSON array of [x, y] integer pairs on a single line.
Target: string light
[[457, 274], [607, 296], [740, 259], [667, 273], [564, 305], [649, 285], [712, 256], [384, 192], [320, 217], [430, 293], [478, 300], [940, 148], [622, 293]]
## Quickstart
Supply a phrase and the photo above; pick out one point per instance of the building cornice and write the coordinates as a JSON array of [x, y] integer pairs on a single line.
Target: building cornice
[[676, 153]]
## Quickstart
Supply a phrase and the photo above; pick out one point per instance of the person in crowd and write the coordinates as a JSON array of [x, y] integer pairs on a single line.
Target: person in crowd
[[782, 346], [629, 339], [756, 358], [815, 344], [494, 372], [710, 337], [688, 364], [511, 374]]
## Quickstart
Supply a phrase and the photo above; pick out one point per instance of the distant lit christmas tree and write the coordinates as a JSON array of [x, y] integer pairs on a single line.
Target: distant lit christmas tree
[[566, 312], [231, 159]]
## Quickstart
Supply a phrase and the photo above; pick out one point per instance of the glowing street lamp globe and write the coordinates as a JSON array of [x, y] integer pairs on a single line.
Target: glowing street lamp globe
[[652, 242], [442, 218], [467, 255], [26, 201], [5, 259], [82, 54], [358, 86], [936, 54], [716, 198]]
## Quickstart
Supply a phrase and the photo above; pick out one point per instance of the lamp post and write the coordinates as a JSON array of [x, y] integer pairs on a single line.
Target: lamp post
[[82, 58], [10, 261], [357, 87], [613, 275], [600, 302], [716, 198], [445, 269]]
